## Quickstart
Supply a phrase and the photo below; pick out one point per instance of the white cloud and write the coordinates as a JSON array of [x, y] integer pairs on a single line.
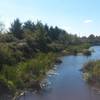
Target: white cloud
[[88, 21]]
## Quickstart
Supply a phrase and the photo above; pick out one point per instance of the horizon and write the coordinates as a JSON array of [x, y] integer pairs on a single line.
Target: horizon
[[76, 17]]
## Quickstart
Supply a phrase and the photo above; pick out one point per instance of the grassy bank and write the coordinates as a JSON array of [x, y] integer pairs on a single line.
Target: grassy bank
[[80, 48], [26, 74], [91, 72]]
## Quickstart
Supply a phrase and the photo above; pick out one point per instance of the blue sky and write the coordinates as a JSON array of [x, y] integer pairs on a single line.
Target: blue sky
[[75, 16]]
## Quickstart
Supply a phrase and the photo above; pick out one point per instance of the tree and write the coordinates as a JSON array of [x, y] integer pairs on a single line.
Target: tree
[[54, 33], [29, 25], [51, 33], [91, 38], [16, 29], [46, 28], [40, 35]]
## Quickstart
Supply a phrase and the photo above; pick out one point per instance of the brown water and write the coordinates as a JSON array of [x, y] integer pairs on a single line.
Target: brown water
[[67, 83]]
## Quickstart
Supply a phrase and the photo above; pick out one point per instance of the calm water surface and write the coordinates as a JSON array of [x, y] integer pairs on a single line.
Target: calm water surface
[[67, 83]]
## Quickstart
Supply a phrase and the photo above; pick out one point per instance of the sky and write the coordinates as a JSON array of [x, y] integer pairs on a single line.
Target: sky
[[79, 17]]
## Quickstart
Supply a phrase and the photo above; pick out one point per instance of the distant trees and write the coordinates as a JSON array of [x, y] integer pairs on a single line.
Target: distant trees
[[43, 35], [91, 38]]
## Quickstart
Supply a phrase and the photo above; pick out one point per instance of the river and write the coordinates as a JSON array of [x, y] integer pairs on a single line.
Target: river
[[68, 83]]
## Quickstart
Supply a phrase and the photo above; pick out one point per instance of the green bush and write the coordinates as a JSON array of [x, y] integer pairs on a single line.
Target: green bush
[[21, 75], [93, 70]]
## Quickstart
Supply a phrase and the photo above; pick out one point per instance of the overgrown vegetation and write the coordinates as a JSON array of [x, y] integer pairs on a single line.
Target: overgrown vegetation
[[25, 74], [28, 51], [80, 48], [92, 72]]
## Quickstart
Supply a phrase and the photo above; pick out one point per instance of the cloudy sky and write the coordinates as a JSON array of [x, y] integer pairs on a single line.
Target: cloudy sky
[[75, 16]]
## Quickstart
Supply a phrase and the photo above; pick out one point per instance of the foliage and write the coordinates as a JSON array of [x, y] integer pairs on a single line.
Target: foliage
[[93, 69], [21, 75], [16, 29], [7, 38], [80, 48]]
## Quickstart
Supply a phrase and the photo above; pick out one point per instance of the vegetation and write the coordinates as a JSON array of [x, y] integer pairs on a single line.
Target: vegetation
[[28, 51], [80, 48], [25, 74], [92, 72]]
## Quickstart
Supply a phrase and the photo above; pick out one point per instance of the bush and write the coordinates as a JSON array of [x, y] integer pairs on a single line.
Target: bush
[[92, 68], [87, 52], [23, 74]]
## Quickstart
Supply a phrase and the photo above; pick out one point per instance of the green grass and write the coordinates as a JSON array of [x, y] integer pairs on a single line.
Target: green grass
[[23, 74], [92, 68], [74, 49]]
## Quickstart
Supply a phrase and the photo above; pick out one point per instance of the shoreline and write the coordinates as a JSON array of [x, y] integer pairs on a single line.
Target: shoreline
[[91, 73], [36, 85], [22, 92]]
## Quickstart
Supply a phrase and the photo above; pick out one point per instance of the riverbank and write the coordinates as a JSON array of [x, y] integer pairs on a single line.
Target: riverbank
[[27, 74], [91, 73], [76, 49]]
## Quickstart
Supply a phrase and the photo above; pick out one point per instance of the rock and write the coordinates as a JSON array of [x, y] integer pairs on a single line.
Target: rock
[[58, 61]]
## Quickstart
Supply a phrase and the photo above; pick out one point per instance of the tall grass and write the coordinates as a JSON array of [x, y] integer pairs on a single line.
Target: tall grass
[[80, 48], [92, 68], [25, 73]]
